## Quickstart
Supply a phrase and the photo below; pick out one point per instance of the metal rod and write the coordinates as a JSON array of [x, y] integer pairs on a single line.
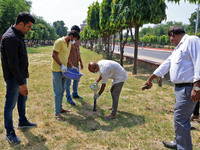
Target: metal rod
[[196, 27]]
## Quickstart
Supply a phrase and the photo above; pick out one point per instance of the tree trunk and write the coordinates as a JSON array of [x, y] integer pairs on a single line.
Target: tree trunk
[[121, 46], [136, 49], [124, 43], [108, 51], [111, 54]]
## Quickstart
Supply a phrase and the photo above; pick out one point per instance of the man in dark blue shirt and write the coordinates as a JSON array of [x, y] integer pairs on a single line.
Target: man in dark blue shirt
[[15, 71]]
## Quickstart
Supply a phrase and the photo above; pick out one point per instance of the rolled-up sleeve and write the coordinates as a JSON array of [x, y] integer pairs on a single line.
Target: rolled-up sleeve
[[163, 68]]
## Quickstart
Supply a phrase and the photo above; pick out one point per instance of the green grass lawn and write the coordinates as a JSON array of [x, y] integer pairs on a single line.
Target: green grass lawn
[[144, 118]]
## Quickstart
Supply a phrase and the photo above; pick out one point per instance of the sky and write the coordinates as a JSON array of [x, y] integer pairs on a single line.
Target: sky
[[73, 12]]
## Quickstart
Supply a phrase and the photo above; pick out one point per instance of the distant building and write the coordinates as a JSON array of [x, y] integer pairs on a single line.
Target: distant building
[[83, 25]]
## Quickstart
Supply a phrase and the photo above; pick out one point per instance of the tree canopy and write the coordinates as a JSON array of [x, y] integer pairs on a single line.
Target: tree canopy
[[61, 30], [9, 9], [191, 1]]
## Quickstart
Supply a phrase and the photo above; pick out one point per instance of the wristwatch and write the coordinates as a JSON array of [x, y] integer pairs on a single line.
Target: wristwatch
[[196, 89]]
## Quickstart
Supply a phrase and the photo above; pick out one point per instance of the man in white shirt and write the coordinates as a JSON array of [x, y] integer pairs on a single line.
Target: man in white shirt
[[184, 68], [109, 70]]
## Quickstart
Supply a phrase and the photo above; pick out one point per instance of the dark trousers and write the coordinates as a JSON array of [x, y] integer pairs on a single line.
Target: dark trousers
[[196, 110], [183, 109], [13, 96], [115, 92]]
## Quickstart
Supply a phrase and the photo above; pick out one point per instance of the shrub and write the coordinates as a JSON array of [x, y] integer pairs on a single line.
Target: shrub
[[98, 48]]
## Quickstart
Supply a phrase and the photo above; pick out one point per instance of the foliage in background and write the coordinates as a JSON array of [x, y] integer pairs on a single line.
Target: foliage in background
[[144, 118], [9, 9], [41, 30], [119, 14], [116, 15], [191, 1], [93, 28], [106, 29], [61, 30], [98, 48]]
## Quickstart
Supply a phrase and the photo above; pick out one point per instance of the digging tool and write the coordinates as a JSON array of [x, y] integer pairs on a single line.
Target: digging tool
[[95, 88], [145, 87]]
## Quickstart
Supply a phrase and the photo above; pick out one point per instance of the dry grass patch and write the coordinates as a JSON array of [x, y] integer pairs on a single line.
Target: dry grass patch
[[144, 118]]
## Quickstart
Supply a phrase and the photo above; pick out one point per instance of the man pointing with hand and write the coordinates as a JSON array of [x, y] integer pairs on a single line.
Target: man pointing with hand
[[184, 68]]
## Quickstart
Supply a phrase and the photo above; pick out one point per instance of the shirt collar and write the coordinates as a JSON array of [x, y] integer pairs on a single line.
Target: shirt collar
[[17, 31], [63, 39], [182, 40]]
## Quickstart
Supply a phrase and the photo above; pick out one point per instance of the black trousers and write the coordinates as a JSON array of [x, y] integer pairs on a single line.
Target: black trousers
[[196, 110]]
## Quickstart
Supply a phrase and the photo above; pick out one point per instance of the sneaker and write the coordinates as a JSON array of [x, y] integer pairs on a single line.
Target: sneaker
[[77, 96], [70, 101], [12, 138], [26, 125]]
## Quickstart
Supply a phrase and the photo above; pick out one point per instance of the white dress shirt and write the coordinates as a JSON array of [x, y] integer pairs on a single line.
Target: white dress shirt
[[184, 63], [113, 70]]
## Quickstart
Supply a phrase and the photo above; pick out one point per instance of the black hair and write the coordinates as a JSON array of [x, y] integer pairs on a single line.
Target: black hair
[[76, 28], [75, 34], [176, 30], [24, 17]]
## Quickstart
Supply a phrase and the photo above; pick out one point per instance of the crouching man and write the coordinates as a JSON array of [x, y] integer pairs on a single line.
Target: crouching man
[[109, 70]]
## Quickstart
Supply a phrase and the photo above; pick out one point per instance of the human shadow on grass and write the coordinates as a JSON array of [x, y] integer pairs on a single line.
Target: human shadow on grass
[[34, 142], [88, 120]]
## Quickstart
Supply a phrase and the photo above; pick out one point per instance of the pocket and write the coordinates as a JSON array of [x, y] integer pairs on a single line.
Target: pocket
[[178, 57], [188, 90]]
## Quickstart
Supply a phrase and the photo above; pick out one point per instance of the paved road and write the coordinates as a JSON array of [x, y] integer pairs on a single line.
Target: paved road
[[150, 54]]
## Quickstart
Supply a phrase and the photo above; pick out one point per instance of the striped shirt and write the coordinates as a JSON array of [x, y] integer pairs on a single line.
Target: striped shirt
[[75, 54]]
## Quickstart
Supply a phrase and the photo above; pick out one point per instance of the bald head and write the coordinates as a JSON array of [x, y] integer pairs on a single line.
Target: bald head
[[93, 67]]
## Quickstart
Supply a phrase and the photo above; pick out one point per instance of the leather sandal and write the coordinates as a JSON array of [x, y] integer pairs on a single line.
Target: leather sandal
[[59, 118], [64, 111]]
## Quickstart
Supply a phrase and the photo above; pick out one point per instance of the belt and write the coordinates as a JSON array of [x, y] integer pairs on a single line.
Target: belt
[[183, 84]]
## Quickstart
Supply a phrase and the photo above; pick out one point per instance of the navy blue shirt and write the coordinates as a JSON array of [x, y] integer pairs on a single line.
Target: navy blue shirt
[[14, 57]]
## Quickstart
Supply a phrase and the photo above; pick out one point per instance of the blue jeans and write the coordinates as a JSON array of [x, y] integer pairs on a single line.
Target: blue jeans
[[59, 82], [183, 109], [75, 88], [13, 96]]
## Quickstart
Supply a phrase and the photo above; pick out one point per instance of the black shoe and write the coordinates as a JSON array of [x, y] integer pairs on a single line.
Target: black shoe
[[12, 138], [77, 96], [26, 125], [70, 101], [171, 145]]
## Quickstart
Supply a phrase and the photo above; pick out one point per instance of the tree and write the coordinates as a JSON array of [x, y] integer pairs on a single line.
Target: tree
[[93, 23], [191, 1], [93, 16], [42, 30], [9, 9], [192, 21], [119, 22], [61, 30], [105, 25], [84, 35], [142, 12], [160, 29]]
